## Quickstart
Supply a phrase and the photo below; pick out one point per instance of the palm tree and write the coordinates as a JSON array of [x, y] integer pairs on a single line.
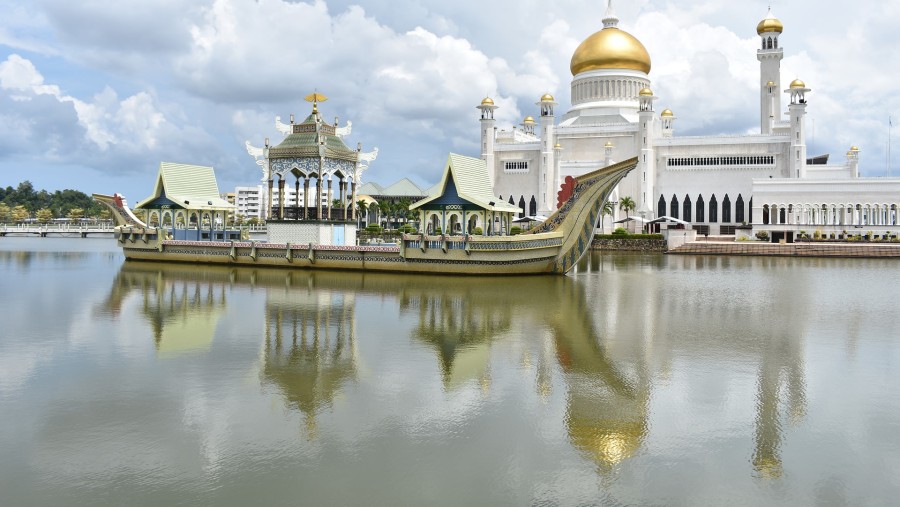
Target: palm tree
[[384, 208], [607, 209], [627, 204], [361, 206]]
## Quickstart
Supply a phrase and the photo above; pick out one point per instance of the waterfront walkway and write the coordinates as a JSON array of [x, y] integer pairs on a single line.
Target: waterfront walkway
[[867, 250], [62, 230]]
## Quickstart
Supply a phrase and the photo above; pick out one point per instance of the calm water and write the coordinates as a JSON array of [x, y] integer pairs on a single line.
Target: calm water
[[639, 380]]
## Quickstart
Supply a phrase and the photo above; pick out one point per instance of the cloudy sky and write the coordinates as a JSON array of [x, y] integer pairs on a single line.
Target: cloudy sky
[[95, 93]]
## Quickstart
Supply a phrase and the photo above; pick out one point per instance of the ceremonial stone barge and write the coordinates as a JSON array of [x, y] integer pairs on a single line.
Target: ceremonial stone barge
[[553, 247]]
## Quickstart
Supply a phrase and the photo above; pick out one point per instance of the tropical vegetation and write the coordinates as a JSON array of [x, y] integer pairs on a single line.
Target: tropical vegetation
[[24, 202]]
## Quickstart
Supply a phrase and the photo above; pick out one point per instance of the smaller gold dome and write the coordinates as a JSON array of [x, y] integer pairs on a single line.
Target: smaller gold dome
[[487, 101], [645, 92], [770, 24], [528, 119], [667, 113], [798, 84], [557, 146], [854, 148], [770, 83], [608, 144], [547, 98]]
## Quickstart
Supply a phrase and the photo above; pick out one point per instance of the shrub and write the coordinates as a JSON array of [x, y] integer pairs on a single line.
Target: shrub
[[762, 235], [620, 231], [515, 230], [407, 229], [477, 231], [374, 229]]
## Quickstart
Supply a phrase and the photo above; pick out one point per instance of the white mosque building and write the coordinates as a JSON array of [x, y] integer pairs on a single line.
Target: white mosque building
[[714, 182]]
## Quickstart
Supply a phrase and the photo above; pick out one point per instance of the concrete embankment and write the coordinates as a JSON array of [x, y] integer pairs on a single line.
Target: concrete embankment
[[863, 250]]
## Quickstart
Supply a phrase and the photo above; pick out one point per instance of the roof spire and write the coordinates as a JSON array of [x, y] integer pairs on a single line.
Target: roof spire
[[609, 19]]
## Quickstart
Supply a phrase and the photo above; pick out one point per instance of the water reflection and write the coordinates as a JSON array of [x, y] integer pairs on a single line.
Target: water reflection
[[310, 349], [609, 345], [183, 311]]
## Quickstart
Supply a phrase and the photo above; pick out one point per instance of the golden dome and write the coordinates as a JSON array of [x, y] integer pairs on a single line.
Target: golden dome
[[528, 119], [667, 113], [770, 83], [610, 48], [854, 148], [487, 101], [770, 24], [557, 146], [646, 92], [608, 144], [547, 98], [798, 84]]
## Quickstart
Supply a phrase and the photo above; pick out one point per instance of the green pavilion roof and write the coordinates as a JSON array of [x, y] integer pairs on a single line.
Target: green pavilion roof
[[302, 143], [470, 175], [187, 186]]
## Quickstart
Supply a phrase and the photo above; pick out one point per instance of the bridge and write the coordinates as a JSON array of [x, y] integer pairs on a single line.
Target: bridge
[[61, 230]]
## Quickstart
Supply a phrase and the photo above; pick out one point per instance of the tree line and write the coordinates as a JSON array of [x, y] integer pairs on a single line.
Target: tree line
[[24, 202]]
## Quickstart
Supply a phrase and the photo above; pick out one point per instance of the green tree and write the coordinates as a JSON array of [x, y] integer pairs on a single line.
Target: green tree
[[607, 210], [384, 210], [75, 214], [361, 207], [44, 215], [626, 204], [19, 213], [5, 212]]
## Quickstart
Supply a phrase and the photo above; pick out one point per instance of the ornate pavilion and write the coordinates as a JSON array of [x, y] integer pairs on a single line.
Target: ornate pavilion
[[312, 150]]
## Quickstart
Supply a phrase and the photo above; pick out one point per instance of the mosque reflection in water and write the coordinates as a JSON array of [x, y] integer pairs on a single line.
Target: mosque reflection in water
[[310, 351]]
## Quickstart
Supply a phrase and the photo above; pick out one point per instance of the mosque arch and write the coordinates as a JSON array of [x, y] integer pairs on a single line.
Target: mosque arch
[[673, 207], [521, 206], [701, 209], [765, 210], [661, 206], [739, 210], [532, 207], [686, 208], [713, 209], [726, 210]]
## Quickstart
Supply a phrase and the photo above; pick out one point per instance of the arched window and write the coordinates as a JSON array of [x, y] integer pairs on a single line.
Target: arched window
[[726, 210], [686, 209], [776, 43], [769, 43], [522, 206], [532, 207], [765, 214], [713, 209], [750, 214], [512, 201], [739, 210], [701, 209], [673, 207], [782, 216], [661, 207]]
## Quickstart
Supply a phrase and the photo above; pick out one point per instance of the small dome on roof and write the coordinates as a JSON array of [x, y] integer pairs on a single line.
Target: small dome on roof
[[528, 119], [797, 83], [667, 113], [487, 101], [547, 98], [645, 92]]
